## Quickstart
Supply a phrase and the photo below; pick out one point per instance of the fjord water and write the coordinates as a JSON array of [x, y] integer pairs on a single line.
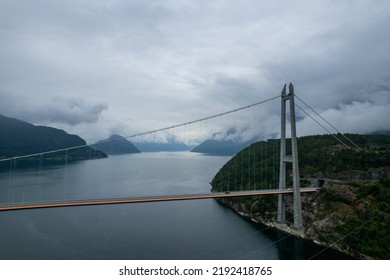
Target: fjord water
[[198, 229]]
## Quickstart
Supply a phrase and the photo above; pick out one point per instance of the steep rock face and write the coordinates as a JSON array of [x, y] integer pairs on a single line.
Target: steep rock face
[[352, 218], [354, 175]]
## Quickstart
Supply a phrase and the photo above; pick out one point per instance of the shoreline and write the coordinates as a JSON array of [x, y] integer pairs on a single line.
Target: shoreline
[[290, 230]]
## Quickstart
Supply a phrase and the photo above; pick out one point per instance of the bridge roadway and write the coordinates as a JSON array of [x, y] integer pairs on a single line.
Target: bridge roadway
[[105, 201]]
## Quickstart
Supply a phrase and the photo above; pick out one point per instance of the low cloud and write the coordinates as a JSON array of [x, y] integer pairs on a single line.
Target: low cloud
[[371, 115], [71, 111]]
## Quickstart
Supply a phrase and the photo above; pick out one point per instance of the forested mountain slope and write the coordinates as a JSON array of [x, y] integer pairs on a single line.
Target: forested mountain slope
[[20, 138], [351, 214]]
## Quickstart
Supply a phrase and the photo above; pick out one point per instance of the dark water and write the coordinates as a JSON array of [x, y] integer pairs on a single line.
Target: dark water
[[200, 229]]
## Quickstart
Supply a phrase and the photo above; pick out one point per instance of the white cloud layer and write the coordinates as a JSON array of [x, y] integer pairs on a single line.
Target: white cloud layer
[[101, 67]]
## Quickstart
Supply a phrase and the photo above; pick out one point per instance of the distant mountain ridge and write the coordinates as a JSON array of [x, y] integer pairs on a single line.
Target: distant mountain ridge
[[161, 147], [116, 145], [220, 147], [20, 138], [383, 132]]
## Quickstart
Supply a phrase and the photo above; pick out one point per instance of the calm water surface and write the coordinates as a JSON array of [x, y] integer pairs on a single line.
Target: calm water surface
[[199, 229]]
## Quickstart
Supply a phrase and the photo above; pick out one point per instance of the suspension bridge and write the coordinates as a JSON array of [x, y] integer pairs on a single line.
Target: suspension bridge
[[281, 189]]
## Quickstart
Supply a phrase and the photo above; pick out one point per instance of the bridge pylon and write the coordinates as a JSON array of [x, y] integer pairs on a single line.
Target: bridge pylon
[[293, 158]]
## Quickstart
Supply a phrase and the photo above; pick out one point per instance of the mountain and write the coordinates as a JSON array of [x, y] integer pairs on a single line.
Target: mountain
[[116, 145], [351, 212], [220, 147], [161, 147], [383, 132], [20, 138]]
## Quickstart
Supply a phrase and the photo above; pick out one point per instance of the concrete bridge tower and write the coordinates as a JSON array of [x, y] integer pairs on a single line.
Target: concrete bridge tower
[[293, 158]]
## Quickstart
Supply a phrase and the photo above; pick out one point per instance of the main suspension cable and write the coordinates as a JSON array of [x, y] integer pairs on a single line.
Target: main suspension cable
[[328, 122], [338, 139], [146, 132]]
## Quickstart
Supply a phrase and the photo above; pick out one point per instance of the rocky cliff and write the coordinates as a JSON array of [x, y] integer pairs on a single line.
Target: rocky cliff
[[353, 218]]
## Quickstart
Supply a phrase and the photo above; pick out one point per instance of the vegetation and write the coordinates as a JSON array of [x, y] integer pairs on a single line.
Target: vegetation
[[257, 166], [20, 138], [352, 215]]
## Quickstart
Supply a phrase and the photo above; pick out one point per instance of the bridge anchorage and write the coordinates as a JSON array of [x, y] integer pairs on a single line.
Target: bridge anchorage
[[293, 159]]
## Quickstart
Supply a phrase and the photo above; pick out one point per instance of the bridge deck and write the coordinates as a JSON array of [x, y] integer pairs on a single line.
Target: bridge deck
[[106, 201]]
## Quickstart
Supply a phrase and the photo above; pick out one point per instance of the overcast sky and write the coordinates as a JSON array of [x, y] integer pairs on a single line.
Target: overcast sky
[[100, 67]]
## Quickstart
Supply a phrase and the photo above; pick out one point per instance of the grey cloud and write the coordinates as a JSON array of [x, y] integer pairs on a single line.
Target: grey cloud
[[366, 116], [71, 111], [165, 62], [230, 90], [337, 66]]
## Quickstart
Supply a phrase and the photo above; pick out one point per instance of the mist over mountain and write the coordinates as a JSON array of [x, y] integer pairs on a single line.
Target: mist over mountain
[[220, 147], [227, 144]]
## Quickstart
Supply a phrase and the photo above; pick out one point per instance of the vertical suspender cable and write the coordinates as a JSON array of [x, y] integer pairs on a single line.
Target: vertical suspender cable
[[242, 169], [10, 181], [39, 196], [66, 175], [254, 166], [235, 171], [13, 179]]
